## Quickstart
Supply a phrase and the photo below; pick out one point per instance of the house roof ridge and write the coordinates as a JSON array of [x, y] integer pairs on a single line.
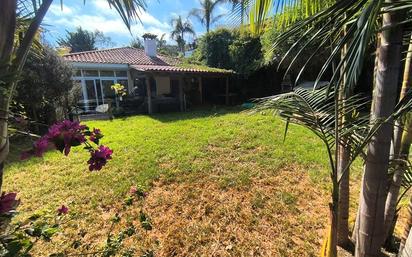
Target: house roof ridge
[[102, 50]]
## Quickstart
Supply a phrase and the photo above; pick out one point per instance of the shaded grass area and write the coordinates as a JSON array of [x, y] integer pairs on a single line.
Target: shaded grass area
[[220, 183]]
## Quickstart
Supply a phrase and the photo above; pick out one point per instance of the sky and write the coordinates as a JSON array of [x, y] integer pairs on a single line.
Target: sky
[[97, 15]]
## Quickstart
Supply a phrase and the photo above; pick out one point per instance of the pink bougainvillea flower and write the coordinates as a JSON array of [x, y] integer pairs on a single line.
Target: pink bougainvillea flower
[[39, 148], [95, 135], [8, 202], [66, 134], [99, 157], [62, 210]]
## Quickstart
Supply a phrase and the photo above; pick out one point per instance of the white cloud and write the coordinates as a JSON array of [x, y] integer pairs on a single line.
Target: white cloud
[[147, 19], [58, 9], [105, 19]]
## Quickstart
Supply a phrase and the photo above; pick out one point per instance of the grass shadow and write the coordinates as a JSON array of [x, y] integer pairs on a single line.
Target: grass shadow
[[196, 113]]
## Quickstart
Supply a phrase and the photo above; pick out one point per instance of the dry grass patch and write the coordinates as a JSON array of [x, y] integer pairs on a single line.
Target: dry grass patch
[[282, 215]]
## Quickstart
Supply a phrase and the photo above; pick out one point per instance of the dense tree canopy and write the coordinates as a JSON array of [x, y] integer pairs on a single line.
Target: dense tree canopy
[[83, 40], [229, 49], [45, 84]]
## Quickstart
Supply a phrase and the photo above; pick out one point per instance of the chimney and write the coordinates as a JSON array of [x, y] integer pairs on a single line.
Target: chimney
[[150, 44]]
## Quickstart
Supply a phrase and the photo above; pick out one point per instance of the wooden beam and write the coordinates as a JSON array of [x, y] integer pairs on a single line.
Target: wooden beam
[[227, 91], [181, 96], [149, 95], [201, 89]]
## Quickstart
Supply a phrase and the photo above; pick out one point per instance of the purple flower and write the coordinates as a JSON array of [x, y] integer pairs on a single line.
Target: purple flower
[[95, 135], [66, 134], [99, 158], [62, 210], [8, 202], [39, 148]]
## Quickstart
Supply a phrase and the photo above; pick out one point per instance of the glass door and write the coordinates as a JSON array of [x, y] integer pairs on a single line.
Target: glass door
[[108, 92], [90, 97]]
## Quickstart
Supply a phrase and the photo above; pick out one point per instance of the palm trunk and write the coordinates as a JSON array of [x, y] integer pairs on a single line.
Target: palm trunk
[[7, 30], [10, 68], [407, 252], [343, 202], [407, 79], [373, 192], [343, 161], [407, 228], [400, 149], [183, 44]]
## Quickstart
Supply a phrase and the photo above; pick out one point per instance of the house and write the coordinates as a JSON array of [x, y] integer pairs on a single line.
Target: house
[[154, 82]]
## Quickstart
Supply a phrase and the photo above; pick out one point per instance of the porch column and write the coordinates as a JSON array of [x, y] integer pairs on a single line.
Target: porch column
[[129, 81], [149, 95], [181, 95], [201, 89], [227, 91]]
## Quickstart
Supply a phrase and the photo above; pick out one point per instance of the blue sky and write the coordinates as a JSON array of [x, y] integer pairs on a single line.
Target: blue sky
[[97, 15]]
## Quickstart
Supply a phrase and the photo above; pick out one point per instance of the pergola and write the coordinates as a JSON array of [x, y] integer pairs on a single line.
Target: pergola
[[179, 73]]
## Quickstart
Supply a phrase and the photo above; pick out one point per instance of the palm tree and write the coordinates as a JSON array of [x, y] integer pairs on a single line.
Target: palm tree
[[400, 148], [180, 28], [360, 19], [205, 13], [16, 38], [316, 111]]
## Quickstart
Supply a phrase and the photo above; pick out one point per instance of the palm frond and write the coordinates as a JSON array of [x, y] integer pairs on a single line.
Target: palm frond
[[315, 110], [128, 10]]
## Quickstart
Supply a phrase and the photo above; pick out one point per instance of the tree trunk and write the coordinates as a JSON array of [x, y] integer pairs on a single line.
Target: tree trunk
[[400, 149], [343, 161], [407, 250], [373, 191], [407, 228], [343, 217], [7, 30], [407, 79], [10, 68]]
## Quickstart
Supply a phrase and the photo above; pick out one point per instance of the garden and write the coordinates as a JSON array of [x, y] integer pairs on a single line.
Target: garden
[[312, 159], [218, 182]]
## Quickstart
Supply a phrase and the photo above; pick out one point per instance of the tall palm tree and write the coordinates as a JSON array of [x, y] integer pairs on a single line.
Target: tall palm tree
[[205, 13], [180, 28], [400, 148], [316, 111], [360, 18], [16, 38]]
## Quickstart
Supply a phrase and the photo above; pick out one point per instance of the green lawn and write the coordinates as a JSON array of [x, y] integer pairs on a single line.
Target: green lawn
[[220, 183]]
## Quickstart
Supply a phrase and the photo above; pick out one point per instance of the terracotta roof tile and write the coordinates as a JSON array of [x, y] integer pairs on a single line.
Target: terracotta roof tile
[[136, 58], [122, 55], [160, 68]]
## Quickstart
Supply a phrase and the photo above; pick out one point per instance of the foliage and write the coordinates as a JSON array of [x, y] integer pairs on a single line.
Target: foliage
[[149, 36], [119, 89], [180, 28], [46, 83], [22, 236], [229, 49], [136, 43], [283, 53], [205, 13], [83, 40], [66, 134]]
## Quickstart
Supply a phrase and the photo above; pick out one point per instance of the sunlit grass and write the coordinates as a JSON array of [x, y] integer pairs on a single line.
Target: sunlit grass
[[232, 149]]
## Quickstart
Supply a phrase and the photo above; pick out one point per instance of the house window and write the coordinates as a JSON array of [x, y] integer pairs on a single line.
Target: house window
[[106, 73], [90, 73], [123, 82], [121, 73]]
